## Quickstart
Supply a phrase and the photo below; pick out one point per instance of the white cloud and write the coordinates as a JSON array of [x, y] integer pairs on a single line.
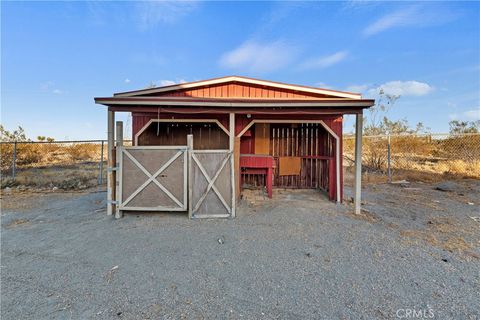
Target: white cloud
[[166, 82], [398, 18], [355, 5], [49, 86], [152, 13], [325, 61], [403, 88], [472, 114], [259, 57], [408, 17], [323, 85], [127, 80], [143, 15]]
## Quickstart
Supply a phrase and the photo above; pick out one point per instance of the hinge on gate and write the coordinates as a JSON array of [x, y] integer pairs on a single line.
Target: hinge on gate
[[112, 202], [111, 169]]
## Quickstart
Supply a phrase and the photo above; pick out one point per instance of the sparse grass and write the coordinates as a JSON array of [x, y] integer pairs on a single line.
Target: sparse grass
[[77, 176], [437, 239], [16, 222], [444, 233]]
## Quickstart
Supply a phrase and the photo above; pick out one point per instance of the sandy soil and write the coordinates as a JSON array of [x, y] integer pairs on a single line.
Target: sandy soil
[[296, 256]]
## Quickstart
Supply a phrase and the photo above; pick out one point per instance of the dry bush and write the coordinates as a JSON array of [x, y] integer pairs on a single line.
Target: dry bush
[[6, 155], [28, 154], [50, 149], [81, 152], [375, 154], [412, 145], [460, 167], [459, 147]]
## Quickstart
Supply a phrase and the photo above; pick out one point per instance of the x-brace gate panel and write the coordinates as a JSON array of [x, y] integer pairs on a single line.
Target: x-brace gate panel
[[210, 184], [153, 178]]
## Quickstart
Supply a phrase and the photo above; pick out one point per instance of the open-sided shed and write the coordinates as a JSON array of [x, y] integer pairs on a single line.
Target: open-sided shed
[[195, 145]]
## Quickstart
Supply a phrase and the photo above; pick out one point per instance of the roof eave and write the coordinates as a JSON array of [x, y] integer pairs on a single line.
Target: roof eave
[[324, 103]]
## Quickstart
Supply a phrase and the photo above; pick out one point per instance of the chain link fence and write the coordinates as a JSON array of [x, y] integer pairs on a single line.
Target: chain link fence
[[82, 164], [395, 155], [60, 164]]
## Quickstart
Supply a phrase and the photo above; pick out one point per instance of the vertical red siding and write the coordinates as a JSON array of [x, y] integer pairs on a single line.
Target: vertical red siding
[[240, 90]]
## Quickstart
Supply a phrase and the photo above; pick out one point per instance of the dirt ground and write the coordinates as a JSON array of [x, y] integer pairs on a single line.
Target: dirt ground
[[298, 256]]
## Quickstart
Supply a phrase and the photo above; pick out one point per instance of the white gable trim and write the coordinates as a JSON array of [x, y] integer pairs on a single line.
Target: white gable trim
[[244, 80]]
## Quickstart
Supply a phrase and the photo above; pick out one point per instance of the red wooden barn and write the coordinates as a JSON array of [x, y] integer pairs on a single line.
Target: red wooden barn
[[225, 133]]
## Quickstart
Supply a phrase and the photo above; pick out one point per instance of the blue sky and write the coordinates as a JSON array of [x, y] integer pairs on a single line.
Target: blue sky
[[57, 56]]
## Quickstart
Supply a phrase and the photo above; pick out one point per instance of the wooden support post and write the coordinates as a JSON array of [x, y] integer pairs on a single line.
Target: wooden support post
[[118, 189], [236, 171], [14, 161], [331, 179], [110, 163], [232, 161], [358, 163], [100, 174], [338, 157], [268, 182], [190, 191]]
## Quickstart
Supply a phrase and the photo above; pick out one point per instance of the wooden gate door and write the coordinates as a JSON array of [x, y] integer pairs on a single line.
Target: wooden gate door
[[211, 184], [153, 178]]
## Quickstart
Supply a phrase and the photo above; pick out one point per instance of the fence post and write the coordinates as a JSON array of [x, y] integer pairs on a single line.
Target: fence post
[[389, 172], [118, 174], [100, 174], [14, 161]]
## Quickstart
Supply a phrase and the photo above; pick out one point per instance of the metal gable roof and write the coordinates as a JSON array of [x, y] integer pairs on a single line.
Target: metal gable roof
[[244, 80]]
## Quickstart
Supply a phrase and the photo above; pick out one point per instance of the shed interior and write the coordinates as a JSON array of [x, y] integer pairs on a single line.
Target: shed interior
[[300, 152], [303, 154]]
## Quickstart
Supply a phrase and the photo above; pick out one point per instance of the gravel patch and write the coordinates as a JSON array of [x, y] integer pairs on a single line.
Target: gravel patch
[[296, 257]]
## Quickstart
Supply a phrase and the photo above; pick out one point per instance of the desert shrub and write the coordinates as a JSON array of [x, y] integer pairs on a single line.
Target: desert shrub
[[81, 152], [348, 144], [28, 154], [49, 148], [460, 167], [6, 155], [465, 147], [412, 145], [374, 153]]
